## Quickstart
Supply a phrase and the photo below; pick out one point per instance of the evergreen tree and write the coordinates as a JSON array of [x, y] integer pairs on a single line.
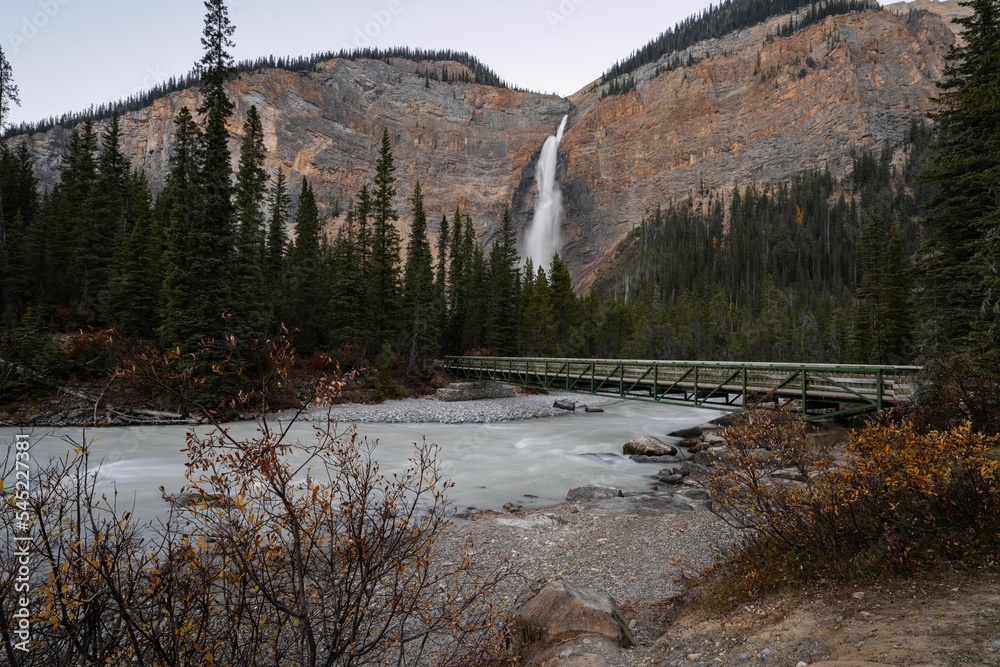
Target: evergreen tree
[[456, 285], [564, 308], [251, 190], [134, 286], [8, 95], [419, 292], [74, 218], [214, 258], [304, 303], [186, 316], [504, 291], [964, 212], [276, 237], [386, 295], [477, 293], [108, 220], [441, 279], [347, 314], [537, 335]]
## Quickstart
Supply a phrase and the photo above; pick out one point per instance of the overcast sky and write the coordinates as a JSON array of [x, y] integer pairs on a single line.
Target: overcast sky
[[69, 54]]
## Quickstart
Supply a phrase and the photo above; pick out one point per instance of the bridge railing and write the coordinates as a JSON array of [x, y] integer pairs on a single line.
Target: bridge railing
[[822, 389]]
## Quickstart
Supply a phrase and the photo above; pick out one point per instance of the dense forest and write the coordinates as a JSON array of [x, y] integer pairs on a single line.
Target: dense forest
[[880, 266], [803, 270], [718, 21]]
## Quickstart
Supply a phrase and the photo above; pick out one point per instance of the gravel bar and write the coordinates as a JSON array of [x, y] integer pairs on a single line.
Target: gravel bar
[[429, 410]]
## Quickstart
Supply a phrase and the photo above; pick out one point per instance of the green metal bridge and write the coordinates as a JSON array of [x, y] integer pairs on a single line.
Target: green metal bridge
[[817, 390]]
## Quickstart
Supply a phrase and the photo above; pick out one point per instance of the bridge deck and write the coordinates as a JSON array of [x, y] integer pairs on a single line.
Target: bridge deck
[[823, 390]]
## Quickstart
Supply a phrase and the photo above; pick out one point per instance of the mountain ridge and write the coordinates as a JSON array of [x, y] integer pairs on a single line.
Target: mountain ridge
[[749, 107]]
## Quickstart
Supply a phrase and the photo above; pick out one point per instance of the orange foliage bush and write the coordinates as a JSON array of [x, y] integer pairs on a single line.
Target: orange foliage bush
[[897, 498]]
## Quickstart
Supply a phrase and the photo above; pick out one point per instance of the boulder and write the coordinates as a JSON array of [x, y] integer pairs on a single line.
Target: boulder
[[588, 408], [693, 431], [560, 611], [670, 477], [642, 458], [565, 404], [593, 492], [647, 445], [474, 391]]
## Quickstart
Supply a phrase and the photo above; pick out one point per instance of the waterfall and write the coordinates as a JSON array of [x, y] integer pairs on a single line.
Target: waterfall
[[544, 238]]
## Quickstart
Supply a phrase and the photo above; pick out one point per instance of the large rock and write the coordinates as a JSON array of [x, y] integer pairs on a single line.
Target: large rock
[[474, 391], [565, 404], [647, 445], [593, 492], [561, 611]]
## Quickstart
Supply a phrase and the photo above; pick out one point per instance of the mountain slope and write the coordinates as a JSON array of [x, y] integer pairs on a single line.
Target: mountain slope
[[751, 106]]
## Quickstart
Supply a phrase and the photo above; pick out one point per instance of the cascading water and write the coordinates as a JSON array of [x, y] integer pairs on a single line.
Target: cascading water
[[544, 238]]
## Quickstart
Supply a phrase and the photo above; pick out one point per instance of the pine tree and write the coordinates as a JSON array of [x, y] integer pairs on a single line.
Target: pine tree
[[276, 237], [456, 285], [251, 190], [185, 315], [537, 335], [441, 280], [386, 295], [108, 217], [347, 321], [565, 308], [504, 291], [74, 218], [134, 286], [8, 95], [214, 257], [304, 303], [964, 213], [420, 297]]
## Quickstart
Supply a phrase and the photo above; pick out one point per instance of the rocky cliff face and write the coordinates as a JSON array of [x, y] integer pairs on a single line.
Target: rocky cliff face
[[754, 107]]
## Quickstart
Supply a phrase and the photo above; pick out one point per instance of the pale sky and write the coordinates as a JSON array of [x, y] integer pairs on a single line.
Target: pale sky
[[69, 54]]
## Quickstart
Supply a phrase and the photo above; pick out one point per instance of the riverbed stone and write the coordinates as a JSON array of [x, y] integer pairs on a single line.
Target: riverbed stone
[[560, 611], [647, 445], [593, 492], [565, 404]]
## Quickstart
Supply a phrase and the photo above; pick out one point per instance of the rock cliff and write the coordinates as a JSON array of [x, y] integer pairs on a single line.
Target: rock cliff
[[753, 106]]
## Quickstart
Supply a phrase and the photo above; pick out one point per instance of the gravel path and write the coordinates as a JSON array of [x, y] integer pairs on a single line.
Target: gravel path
[[431, 410], [639, 560]]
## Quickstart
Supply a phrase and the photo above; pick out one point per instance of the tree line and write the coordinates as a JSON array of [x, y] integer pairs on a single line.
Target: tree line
[[477, 72], [717, 21]]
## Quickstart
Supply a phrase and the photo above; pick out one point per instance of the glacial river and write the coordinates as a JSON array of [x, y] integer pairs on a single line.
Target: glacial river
[[531, 462]]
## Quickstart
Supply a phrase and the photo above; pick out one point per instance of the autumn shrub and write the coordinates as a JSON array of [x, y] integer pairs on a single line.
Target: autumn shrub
[[894, 500], [277, 553]]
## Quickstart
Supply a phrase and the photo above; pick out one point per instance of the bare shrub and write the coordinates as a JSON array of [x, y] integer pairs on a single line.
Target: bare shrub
[[279, 552]]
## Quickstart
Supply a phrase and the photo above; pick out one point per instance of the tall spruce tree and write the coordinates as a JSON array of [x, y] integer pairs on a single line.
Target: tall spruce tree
[[565, 308], [251, 191], [964, 214], [347, 318], [456, 285], [305, 305], [385, 292], [74, 217], [185, 311], [419, 292], [96, 241], [504, 291], [214, 258], [134, 287], [441, 279], [8, 95], [273, 289]]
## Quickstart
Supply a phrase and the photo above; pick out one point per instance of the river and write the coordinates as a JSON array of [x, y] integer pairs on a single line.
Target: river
[[531, 462]]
